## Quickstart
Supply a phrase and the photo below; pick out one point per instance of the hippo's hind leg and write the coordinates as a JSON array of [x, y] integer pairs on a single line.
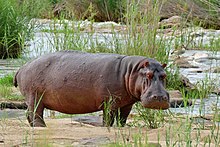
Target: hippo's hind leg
[[35, 111]]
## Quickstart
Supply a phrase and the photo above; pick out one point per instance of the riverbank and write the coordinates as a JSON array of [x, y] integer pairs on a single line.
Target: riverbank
[[177, 131]]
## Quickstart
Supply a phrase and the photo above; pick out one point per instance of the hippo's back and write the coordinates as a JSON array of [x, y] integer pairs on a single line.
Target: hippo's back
[[68, 65]]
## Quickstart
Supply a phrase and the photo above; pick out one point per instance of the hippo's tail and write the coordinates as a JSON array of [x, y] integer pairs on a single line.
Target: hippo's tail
[[15, 79]]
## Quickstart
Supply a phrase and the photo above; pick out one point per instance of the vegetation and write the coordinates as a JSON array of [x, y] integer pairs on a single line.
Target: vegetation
[[7, 80], [6, 89], [201, 12], [15, 26], [148, 118], [139, 38]]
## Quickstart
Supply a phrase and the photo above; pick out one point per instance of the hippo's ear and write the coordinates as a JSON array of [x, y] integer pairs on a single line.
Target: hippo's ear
[[143, 64], [164, 65]]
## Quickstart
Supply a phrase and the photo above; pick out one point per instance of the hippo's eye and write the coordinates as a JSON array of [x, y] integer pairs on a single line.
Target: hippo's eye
[[150, 75], [163, 76]]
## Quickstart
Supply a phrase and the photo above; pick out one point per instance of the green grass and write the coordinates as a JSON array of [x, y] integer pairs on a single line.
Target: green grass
[[148, 118], [6, 92], [5, 86], [7, 80], [15, 27]]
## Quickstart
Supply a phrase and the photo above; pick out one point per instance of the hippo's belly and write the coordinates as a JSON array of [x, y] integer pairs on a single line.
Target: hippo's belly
[[72, 102]]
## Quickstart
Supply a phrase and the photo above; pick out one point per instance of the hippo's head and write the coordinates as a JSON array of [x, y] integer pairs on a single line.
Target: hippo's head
[[150, 85]]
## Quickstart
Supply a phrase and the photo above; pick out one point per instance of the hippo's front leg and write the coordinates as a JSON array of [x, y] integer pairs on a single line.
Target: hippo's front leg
[[122, 115], [109, 117]]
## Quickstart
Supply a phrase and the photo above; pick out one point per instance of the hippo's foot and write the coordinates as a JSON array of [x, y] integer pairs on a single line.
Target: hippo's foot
[[38, 123], [35, 120]]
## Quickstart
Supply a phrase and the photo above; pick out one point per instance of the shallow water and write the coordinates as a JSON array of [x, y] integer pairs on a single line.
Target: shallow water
[[206, 105]]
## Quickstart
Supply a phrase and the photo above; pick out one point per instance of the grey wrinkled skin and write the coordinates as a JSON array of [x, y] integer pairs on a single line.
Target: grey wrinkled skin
[[76, 82]]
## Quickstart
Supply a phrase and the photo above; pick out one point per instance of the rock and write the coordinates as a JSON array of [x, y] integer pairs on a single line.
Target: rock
[[91, 120], [186, 83], [200, 56], [12, 113], [197, 71], [205, 121], [214, 70], [177, 101], [174, 21], [178, 51], [204, 58], [216, 91], [98, 141], [175, 94], [182, 62]]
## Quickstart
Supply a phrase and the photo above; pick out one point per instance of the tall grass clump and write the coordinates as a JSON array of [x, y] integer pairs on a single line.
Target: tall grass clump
[[15, 27]]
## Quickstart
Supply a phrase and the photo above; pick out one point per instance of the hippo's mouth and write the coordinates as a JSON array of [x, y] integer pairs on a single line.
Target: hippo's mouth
[[155, 103]]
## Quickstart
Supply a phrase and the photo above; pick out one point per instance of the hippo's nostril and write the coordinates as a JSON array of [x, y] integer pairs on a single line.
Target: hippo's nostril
[[159, 98], [155, 97], [164, 98]]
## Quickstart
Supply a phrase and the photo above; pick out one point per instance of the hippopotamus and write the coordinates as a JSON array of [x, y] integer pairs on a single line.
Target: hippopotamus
[[75, 82]]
